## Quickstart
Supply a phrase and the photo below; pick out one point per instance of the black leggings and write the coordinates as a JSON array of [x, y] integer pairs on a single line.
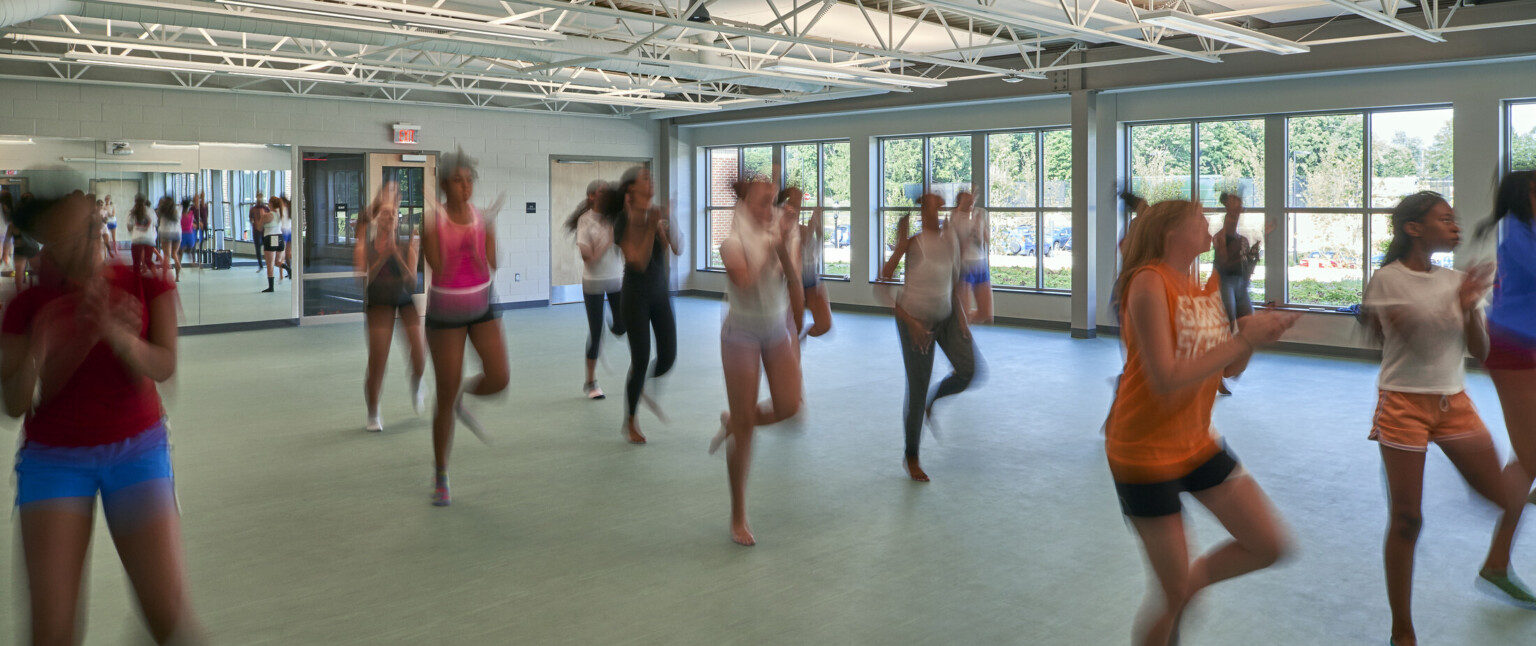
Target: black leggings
[[595, 320], [646, 310], [961, 351]]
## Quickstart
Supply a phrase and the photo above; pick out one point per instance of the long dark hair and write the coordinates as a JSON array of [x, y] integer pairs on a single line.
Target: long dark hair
[[614, 200], [595, 188], [1513, 198], [140, 212], [1412, 209], [166, 207]]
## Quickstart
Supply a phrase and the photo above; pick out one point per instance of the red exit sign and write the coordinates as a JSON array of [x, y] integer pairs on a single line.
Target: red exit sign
[[405, 133]]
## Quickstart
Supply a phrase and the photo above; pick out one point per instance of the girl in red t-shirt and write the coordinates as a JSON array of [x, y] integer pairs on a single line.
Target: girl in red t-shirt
[[92, 339]]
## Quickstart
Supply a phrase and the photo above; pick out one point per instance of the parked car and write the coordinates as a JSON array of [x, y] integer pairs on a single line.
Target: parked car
[[1062, 239], [1019, 240], [841, 237]]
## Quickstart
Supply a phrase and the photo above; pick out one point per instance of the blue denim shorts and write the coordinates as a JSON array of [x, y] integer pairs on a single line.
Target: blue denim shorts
[[45, 472]]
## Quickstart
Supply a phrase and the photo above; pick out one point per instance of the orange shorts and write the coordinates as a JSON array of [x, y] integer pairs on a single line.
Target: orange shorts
[[1410, 421]]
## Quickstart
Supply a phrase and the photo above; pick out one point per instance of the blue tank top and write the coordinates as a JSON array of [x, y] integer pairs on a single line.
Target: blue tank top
[[1514, 288]]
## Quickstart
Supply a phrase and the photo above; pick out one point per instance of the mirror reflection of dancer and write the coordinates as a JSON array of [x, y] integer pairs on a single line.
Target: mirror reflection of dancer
[[272, 240], [602, 274], [1511, 317], [1159, 438], [460, 248], [109, 216], [645, 236], [972, 229], [754, 337], [808, 253], [929, 312], [1427, 319], [94, 338], [284, 210], [188, 233], [389, 279], [168, 232], [141, 234], [257, 217], [23, 248]]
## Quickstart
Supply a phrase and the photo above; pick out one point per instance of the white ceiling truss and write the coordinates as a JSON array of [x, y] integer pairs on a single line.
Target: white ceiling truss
[[625, 57]]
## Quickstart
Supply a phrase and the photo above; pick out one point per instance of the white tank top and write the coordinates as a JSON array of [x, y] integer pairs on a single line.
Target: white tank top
[[931, 272], [766, 302], [142, 234], [274, 225], [967, 229]]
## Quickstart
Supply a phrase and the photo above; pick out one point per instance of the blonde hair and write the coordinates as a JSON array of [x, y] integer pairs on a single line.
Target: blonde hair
[[1146, 238]]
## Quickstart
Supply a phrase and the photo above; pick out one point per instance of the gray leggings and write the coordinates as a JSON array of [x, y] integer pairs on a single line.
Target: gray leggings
[[961, 352]]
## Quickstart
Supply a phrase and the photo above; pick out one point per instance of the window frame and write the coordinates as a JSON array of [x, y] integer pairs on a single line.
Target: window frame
[[1507, 140], [1038, 210], [1275, 253], [777, 159]]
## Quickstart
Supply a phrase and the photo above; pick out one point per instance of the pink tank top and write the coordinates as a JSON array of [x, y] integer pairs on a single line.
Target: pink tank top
[[463, 252]]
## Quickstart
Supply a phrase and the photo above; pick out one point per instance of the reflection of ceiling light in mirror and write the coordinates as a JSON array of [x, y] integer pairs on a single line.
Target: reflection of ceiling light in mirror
[[122, 162], [23, 142], [239, 145], [173, 146]]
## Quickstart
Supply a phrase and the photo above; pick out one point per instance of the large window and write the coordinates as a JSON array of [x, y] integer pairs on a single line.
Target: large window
[[1200, 160], [1521, 128], [1028, 198], [1344, 174], [820, 170], [911, 167]]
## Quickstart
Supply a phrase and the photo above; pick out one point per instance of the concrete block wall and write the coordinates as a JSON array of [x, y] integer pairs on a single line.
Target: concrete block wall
[[513, 148]]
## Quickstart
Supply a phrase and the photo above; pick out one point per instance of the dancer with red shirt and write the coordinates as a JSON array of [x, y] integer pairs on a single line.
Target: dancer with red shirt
[[93, 339]]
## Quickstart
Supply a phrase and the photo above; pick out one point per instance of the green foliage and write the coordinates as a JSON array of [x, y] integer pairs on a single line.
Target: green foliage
[[1058, 169], [1025, 277], [1011, 170], [1326, 154], [951, 159], [1310, 291], [800, 169], [838, 174], [1522, 150], [902, 161], [1232, 151], [757, 161]]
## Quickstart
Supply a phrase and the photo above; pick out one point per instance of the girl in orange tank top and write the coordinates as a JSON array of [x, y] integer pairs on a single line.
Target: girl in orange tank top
[[1159, 438]]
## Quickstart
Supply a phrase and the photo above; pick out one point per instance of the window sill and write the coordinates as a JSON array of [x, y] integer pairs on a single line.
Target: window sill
[[1306, 309], [711, 270], [1013, 289], [836, 279]]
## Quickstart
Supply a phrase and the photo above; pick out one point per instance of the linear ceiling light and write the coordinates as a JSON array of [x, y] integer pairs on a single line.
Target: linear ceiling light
[[812, 68], [312, 12], [120, 162], [1384, 19], [22, 142], [407, 15], [160, 146], [163, 65], [1192, 24]]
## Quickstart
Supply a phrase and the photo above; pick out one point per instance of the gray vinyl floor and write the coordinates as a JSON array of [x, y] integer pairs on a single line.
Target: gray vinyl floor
[[300, 528]]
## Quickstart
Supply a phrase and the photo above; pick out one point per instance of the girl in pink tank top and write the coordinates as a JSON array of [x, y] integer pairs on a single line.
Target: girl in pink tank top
[[461, 250]]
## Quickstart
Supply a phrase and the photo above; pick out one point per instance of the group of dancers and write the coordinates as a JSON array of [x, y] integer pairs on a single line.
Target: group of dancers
[[82, 350]]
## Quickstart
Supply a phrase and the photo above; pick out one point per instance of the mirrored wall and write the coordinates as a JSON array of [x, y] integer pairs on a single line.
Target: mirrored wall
[[206, 209]]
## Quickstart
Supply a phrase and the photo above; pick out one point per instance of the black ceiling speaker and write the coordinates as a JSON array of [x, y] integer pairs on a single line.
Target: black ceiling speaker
[[702, 15]]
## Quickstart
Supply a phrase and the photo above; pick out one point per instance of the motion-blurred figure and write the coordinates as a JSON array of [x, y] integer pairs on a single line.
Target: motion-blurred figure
[[94, 339], [602, 274], [388, 266], [807, 252], [972, 232], [645, 236]]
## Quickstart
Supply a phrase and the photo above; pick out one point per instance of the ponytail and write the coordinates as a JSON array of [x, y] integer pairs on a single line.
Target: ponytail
[[1513, 198]]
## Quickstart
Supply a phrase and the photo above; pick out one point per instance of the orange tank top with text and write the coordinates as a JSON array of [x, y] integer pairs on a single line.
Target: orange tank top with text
[[1156, 437]]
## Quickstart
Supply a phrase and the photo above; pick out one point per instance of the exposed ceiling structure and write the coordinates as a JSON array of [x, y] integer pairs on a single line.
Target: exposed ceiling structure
[[660, 57]]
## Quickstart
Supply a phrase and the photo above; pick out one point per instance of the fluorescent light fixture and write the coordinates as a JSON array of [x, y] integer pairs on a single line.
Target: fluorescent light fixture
[[667, 104], [159, 146], [470, 30], [312, 12], [811, 71], [238, 145], [17, 142], [1389, 21], [1192, 24], [812, 68], [119, 162], [164, 65]]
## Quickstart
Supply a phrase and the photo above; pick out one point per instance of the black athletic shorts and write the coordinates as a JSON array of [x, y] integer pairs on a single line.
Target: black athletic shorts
[[439, 324], [1153, 499]]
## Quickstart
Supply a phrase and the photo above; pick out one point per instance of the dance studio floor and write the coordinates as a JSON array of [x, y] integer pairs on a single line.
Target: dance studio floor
[[300, 528]]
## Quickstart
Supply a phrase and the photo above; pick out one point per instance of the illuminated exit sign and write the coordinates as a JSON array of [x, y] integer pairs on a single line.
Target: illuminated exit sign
[[405, 133]]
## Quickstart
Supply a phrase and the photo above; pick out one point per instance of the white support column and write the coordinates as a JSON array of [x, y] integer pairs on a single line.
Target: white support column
[[1085, 185], [864, 168], [1276, 188]]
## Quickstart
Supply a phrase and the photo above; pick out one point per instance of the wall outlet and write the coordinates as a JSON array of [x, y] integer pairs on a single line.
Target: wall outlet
[[517, 278]]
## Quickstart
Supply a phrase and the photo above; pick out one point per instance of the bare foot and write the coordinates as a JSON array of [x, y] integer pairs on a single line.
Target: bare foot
[[914, 469], [742, 535], [632, 433], [723, 435]]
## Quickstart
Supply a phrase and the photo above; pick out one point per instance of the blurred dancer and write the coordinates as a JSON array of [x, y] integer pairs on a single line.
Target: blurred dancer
[[285, 225], [645, 237], [188, 233], [1159, 438], [141, 233], [110, 216], [461, 250], [168, 232], [96, 338], [811, 241], [1512, 323], [929, 311], [602, 274], [1236, 256], [754, 339], [389, 280], [258, 218], [1427, 319], [973, 233]]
